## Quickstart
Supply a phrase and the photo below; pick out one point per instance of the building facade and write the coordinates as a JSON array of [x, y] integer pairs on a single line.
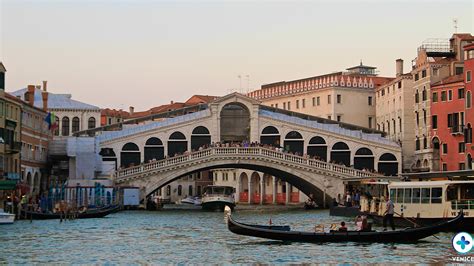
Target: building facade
[[437, 59], [395, 116], [469, 114], [343, 96]]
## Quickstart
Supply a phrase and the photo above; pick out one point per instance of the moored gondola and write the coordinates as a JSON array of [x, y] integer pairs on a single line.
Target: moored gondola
[[91, 213], [399, 236]]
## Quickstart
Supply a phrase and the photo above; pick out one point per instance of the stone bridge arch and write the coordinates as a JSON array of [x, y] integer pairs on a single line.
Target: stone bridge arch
[[315, 182]]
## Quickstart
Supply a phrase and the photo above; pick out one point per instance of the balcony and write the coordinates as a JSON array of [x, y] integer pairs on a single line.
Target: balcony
[[14, 147]]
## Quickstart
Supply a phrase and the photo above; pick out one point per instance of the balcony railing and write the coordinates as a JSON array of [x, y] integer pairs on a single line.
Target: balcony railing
[[457, 130], [462, 204], [14, 147]]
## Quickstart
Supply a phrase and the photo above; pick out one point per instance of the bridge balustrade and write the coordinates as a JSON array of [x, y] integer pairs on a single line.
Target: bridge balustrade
[[255, 151]]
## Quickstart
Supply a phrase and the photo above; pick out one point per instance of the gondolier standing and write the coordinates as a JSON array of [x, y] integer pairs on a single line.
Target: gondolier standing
[[388, 215]]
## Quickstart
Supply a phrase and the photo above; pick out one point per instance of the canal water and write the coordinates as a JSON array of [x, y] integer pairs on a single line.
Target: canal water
[[196, 237]]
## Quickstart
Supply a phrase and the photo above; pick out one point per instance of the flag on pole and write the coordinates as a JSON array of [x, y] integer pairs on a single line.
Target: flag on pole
[[51, 121]]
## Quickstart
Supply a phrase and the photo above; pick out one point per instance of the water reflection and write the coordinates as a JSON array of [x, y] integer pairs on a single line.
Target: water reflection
[[196, 237]]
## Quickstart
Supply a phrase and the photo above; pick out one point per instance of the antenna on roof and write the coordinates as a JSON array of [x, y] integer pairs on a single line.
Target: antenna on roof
[[455, 22]]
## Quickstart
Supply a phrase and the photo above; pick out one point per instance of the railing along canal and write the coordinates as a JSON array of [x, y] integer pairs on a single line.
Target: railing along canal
[[242, 151]]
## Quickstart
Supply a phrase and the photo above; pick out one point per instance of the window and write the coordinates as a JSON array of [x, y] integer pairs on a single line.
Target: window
[[423, 74], [417, 144], [424, 117], [445, 148], [297, 104], [459, 70], [303, 103], [425, 143], [434, 121], [416, 77], [416, 195], [91, 123], [445, 167], [110, 121], [289, 108], [318, 101], [450, 120], [443, 96], [461, 147], [417, 118], [338, 118], [370, 122], [468, 99], [435, 72], [65, 128], [56, 124], [314, 101], [425, 195], [329, 99], [329, 117], [383, 92], [276, 105], [450, 95], [424, 96], [407, 198], [461, 93], [400, 195], [435, 97], [400, 123], [436, 193], [399, 84], [468, 76], [462, 166], [393, 194], [417, 97], [339, 98], [284, 106], [370, 100], [75, 124]]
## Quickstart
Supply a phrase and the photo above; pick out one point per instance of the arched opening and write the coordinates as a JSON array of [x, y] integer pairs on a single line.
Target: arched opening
[[177, 144], [244, 188], [109, 160], [435, 142], [36, 183], [234, 123], [65, 126], [388, 164], [91, 123], [418, 164], [75, 124], [468, 134], [294, 143], [318, 148], [130, 155], [256, 189], [154, 149], [270, 136], [340, 154], [425, 163], [200, 138], [190, 190], [364, 159]]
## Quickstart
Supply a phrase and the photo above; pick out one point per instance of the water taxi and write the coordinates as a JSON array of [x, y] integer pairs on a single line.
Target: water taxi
[[6, 218], [422, 203], [217, 197]]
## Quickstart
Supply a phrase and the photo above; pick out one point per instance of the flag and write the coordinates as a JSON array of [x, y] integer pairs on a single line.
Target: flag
[[51, 121]]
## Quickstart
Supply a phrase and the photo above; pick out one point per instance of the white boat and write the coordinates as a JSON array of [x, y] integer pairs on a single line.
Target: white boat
[[191, 200], [217, 197], [425, 202], [6, 218]]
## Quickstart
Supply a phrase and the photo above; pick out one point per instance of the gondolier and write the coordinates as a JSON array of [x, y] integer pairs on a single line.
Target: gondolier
[[388, 215]]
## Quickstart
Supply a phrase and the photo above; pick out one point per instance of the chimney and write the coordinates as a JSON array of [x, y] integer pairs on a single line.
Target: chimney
[[31, 95], [44, 95], [131, 108], [45, 85], [399, 67], [171, 102]]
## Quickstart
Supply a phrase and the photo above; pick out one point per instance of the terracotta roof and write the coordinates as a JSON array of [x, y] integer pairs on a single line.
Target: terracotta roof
[[114, 113], [449, 80], [196, 99], [469, 47]]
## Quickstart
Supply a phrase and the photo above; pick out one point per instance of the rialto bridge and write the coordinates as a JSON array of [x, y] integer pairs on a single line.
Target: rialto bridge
[[312, 154]]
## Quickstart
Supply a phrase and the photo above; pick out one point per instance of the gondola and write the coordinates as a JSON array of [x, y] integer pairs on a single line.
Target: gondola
[[90, 213], [408, 235]]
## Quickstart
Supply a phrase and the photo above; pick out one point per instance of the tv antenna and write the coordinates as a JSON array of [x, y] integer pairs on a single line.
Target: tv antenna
[[455, 22]]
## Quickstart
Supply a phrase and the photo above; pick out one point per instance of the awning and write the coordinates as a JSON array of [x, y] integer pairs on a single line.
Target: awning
[[7, 184]]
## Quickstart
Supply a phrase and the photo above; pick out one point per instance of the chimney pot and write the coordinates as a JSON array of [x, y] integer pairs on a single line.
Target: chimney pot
[[44, 95], [172, 102], [45, 85], [131, 108], [31, 95], [399, 67]]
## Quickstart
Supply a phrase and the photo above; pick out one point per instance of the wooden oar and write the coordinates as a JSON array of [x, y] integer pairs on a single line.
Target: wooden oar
[[412, 222]]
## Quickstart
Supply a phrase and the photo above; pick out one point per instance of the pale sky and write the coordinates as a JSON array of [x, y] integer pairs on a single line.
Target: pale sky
[[147, 53]]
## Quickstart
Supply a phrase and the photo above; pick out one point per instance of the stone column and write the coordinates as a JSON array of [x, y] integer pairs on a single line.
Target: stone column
[[274, 186], [249, 200], [287, 194], [262, 188]]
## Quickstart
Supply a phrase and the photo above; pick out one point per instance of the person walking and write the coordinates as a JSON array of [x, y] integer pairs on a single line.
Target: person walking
[[388, 215]]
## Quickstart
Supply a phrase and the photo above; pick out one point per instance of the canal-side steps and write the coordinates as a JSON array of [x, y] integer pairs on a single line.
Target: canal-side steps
[[241, 155]]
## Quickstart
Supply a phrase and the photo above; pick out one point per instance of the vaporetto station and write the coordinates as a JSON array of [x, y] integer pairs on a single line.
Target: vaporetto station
[[236, 132]]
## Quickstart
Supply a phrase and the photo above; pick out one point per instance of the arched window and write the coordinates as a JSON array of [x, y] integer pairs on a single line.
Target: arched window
[[388, 164], [130, 155], [91, 123], [417, 97], [177, 144], [75, 124], [317, 147], [341, 154], [294, 143], [424, 95], [364, 159], [200, 137], [65, 126], [270, 136], [154, 149], [56, 130], [468, 99]]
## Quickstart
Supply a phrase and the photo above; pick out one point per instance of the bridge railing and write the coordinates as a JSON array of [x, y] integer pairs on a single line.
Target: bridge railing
[[239, 151]]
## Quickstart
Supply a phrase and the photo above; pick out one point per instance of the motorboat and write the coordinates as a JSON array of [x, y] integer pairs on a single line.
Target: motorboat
[[6, 218], [282, 233], [217, 197], [191, 200]]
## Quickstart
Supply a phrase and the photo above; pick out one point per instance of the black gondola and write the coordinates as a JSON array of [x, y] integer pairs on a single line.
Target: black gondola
[[91, 213], [408, 235]]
